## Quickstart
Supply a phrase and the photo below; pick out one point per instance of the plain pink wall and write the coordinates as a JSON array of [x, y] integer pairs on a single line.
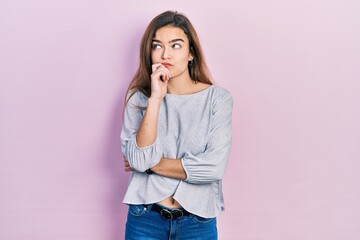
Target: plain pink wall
[[293, 68]]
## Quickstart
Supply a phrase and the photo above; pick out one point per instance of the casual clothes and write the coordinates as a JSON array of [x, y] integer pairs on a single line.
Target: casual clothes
[[195, 128]]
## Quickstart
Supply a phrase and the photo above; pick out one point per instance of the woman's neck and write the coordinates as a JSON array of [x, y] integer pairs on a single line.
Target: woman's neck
[[180, 87], [182, 84]]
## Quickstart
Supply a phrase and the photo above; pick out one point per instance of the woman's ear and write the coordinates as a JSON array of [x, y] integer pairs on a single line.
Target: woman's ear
[[191, 54]]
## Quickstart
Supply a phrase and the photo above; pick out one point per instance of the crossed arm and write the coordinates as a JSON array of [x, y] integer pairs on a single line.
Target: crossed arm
[[143, 150], [167, 167], [199, 168], [147, 132], [146, 135]]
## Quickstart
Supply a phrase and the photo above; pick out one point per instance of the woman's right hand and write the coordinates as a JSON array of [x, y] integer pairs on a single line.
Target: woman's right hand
[[159, 80]]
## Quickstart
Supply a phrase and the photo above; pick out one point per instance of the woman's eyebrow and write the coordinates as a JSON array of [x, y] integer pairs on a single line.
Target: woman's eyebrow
[[176, 40], [172, 41]]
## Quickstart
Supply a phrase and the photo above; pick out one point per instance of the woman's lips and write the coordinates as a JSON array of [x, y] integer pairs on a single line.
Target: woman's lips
[[166, 65]]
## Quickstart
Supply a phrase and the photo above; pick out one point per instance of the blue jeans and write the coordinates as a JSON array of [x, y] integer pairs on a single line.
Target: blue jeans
[[143, 224]]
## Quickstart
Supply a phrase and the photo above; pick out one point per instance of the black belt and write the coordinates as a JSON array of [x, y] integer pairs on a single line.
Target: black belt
[[168, 213]]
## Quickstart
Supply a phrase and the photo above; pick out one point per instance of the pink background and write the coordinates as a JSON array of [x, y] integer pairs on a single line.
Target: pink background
[[293, 68]]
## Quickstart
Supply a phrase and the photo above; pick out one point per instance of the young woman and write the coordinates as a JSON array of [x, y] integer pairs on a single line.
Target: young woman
[[176, 137]]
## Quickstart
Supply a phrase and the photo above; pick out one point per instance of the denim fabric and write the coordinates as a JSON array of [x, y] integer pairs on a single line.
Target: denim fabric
[[143, 224]]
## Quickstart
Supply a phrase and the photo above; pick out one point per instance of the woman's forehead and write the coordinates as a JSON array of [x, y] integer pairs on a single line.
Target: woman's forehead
[[170, 33]]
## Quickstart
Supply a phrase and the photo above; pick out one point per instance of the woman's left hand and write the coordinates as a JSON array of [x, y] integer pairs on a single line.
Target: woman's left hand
[[127, 167]]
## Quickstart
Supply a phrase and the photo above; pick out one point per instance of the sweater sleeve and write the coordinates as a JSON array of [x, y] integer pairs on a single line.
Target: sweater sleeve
[[209, 165], [140, 158]]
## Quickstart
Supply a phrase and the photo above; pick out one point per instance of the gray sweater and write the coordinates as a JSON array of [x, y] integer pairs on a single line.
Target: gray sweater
[[195, 128]]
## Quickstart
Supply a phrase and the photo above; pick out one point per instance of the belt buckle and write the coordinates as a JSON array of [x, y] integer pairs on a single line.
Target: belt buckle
[[169, 214], [178, 210], [166, 214]]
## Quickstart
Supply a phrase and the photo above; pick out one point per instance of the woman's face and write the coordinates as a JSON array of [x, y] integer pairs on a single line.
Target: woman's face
[[170, 46]]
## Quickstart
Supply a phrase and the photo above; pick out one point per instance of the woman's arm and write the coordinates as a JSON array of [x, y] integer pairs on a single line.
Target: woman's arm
[[207, 166], [200, 168], [139, 133], [171, 168], [140, 158], [147, 132]]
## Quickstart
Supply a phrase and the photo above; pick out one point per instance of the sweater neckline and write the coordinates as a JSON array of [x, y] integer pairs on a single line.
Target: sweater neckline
[[190, 94]]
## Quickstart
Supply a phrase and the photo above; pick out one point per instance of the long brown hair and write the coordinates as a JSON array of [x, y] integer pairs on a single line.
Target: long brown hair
[[197, 68]]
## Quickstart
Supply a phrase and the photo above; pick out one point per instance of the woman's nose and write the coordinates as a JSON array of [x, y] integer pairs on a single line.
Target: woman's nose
[[166, 53]]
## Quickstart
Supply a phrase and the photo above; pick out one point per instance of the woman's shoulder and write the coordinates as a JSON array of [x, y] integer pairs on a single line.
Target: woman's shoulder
[[213, 89], [221, 98], [134, 96], [220, 92]]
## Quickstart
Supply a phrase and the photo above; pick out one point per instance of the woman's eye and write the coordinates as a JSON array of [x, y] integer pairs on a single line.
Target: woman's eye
[[176, 45], [156, 46]]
